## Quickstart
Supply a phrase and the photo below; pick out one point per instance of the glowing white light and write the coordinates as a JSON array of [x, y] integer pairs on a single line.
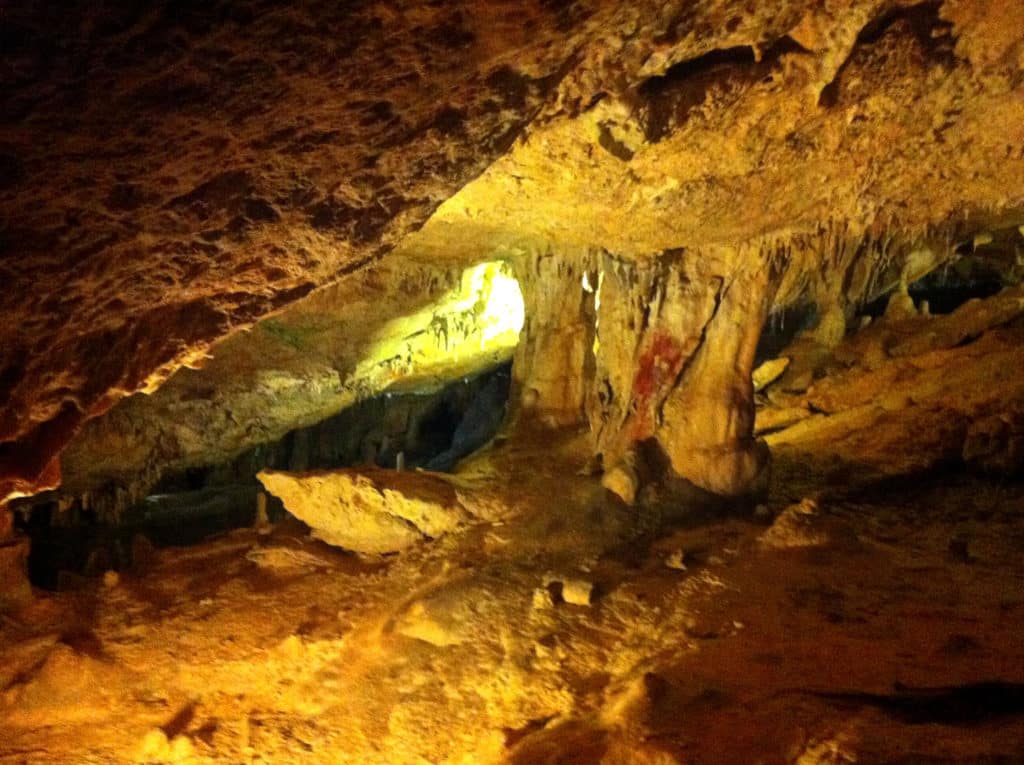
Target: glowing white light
[[502, 301]]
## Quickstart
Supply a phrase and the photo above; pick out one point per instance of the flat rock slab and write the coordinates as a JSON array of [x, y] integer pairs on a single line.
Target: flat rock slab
[[369, 510]]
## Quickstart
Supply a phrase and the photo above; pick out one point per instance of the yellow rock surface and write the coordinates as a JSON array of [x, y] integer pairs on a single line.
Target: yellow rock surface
[[372, 511]]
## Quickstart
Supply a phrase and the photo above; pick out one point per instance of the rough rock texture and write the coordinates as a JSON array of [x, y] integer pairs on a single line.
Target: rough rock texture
[[949, 384], [178, 173], [14, 583], [398, 329], [374, 510], [872, 624], [550, 365], [663, 177], [371, 511]]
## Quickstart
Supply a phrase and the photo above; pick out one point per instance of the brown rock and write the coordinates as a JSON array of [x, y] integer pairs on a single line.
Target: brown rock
[[622, 481], [370, 511], [14, 583], [995, 444], [6, 525], [795, 527], [769, 372]]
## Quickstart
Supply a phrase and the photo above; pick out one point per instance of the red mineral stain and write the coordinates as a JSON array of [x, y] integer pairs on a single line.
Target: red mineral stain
[[659, 365]]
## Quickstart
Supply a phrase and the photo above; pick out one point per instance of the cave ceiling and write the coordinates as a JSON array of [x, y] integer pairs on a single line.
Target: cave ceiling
[[173, 172]]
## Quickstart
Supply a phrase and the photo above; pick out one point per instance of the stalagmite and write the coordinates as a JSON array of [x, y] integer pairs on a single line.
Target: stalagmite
[[709, 418]]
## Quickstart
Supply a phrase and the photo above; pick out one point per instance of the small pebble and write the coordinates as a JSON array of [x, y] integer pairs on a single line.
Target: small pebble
[[578, 592], [676, 560]]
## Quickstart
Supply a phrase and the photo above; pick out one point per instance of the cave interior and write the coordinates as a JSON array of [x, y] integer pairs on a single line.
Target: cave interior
[[514, 382]]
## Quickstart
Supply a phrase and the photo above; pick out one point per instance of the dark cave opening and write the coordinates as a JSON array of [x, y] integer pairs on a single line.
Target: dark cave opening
[[781, 329], [391, 430], [943, 291]]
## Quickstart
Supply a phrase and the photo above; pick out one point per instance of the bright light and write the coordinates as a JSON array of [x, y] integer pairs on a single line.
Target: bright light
[[587, 287], [503, 312], [473, 326]]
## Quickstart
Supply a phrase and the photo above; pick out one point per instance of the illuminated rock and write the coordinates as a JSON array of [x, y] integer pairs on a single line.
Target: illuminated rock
[[956, 398], [622, 481], [654, 350], [833, 146], [578, 592], [769, 372], [795, 527], [396, 329], [370, 511]]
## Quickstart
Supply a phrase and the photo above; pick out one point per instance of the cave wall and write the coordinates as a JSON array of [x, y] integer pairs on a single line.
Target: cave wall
[[399, 330], [180, 172]]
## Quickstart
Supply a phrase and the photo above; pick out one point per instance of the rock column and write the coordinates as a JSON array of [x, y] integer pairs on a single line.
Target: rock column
[[708, 418], [553, 361], [657, 351]]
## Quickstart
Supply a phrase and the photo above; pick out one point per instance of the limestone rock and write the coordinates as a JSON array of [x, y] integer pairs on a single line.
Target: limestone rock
[[258, 155], [769, 372], [156, 747], [283, 558], [831, 326], [419, 623], [67, 684], [14, 584], [901, 305], [370, 511], [556, 341], [578, 592], [970, 320], [952, 381], [248, 175], [676, 560], [795, 527], [776, 418], [622, 481]]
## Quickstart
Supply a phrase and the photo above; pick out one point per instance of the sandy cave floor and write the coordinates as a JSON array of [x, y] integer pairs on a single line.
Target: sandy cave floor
[[881, 623]]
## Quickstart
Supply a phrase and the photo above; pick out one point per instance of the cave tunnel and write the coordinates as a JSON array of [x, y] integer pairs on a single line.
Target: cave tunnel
[[512, 383], [432, 430]]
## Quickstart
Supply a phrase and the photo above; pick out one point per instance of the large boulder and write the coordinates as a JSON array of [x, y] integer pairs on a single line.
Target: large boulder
[[371, 510]]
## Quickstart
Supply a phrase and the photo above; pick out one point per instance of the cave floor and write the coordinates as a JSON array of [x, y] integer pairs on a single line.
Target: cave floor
[[877, 623]]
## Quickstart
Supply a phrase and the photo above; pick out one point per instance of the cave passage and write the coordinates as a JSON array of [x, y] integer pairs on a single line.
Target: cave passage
[[402, 430], [782, 327], [943, 292]]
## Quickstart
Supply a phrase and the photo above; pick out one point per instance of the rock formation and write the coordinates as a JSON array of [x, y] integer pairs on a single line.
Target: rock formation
[[180, 174], [370, 512], [738, 255]]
